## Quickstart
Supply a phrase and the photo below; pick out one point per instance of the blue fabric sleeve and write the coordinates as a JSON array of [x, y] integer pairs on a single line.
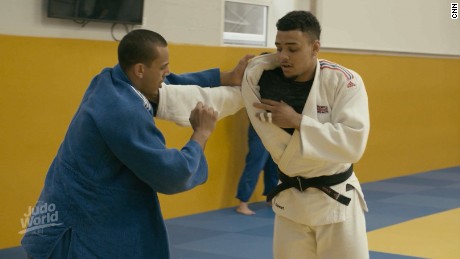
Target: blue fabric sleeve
[[205, 78], [129, 130], [139, 145]]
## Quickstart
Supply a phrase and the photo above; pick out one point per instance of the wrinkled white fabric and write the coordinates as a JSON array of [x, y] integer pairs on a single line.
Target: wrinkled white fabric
[[333, 132]]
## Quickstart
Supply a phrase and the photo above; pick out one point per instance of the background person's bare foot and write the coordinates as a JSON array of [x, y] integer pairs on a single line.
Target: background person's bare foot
[[243, 208]]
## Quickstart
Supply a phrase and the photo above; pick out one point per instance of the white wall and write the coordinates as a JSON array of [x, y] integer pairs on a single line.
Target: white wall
[[278, 9], [180, 21], [417, 26], [420, 26], [184, 21]]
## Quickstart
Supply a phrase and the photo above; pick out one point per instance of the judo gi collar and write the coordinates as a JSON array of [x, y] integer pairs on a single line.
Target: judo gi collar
[[147, 105], [146, 102]]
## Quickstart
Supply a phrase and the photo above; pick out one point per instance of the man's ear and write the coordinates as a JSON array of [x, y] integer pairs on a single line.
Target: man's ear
[[139, 70], [316, 46]]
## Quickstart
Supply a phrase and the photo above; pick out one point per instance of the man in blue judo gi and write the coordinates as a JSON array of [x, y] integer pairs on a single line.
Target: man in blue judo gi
[[102, 185]]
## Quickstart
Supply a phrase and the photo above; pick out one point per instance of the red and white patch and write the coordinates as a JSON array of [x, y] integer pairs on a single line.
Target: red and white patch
[[322, 109], [351, 84]]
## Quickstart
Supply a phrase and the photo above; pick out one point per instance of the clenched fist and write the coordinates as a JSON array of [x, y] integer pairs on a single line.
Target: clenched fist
[[203, 120]]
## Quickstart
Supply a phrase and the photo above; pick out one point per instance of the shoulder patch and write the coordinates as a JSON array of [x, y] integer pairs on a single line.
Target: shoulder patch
[[325, 64], [350, 84]]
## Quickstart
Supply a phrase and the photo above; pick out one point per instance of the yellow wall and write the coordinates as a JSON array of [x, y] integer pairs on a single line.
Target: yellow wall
[[414, 103]]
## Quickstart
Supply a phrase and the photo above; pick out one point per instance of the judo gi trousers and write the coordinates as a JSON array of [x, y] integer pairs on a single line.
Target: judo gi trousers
[[257, 159], [344, 240]]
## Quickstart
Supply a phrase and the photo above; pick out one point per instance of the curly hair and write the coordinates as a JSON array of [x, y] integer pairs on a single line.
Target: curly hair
[[300, 20]]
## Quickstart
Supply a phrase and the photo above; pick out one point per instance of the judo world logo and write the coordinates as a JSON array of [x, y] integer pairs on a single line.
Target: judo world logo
[[41, 216]]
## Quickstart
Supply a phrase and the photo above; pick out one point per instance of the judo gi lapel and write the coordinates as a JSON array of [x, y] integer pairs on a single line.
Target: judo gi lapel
[[295, 143], [146, 102], [310, 108], [122, 80], [281, 145], [273, 137]]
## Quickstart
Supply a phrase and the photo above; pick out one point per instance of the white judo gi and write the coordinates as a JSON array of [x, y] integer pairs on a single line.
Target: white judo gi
[[333, 134]]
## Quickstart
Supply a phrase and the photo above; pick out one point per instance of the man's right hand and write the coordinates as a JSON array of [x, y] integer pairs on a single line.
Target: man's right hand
[[203, 120], [234, 77]]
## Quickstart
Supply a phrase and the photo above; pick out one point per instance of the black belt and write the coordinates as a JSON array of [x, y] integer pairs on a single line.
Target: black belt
[[322, 183]]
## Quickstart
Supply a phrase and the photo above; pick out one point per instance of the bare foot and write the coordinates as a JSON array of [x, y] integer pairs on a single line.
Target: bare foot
[[243, 208]]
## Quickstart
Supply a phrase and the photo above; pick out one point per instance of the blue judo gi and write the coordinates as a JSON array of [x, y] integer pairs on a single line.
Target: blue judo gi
[[100, 194], [257, 159]]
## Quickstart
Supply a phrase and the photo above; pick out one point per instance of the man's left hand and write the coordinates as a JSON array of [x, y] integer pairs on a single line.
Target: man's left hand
[[282, 115]]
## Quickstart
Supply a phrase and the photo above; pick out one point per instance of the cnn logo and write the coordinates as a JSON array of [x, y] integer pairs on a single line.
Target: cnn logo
[[454, 11]]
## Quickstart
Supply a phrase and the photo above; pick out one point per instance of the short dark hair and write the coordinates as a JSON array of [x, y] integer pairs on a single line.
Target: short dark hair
[[136, 47], [300, 20]]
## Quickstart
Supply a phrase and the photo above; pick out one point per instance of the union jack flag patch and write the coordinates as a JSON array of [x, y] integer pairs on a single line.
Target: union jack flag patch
[[322, 109]]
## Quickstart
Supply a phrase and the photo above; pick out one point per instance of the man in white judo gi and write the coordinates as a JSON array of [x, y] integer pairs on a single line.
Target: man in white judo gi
[[312, 116]]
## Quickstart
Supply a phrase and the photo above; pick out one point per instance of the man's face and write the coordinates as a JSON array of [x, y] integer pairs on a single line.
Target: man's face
[[154, 75], [296, 54]]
